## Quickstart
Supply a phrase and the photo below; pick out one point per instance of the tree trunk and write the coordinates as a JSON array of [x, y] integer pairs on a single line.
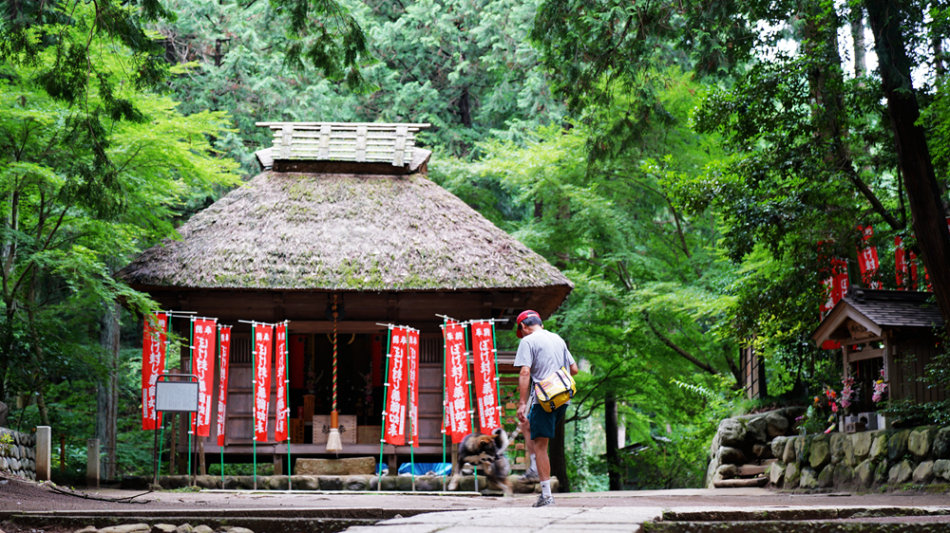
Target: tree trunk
[[857, 35], [923, 194], [558, 457], [107, 411], [610, 428]]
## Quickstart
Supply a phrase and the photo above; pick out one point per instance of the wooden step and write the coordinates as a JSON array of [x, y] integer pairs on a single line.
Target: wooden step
[[741, 483]]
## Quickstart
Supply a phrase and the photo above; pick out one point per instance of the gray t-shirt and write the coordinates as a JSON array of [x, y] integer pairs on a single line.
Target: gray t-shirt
[[545, 353]]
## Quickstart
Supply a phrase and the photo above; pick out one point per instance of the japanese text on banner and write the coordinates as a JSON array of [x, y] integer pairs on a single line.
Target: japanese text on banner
[[202, 365], [153, 365], [412, 354], [224, 341], [263, 339], [280, 362], [486, 391], [456, 382], [394, 418]]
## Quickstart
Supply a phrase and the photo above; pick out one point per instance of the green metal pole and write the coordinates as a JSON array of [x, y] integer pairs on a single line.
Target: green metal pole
[[412, 456], [191, 416], [445, 394], [253, 404], [287, 394], [382, 431], [494, 353], [221, 365], [471, 421]]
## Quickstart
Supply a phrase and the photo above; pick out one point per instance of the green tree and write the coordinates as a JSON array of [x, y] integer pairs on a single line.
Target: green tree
[[94, 167]]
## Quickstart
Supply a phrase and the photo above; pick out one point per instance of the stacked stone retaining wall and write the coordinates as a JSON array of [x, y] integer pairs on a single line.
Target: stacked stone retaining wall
[[890, 458], [18, 453]]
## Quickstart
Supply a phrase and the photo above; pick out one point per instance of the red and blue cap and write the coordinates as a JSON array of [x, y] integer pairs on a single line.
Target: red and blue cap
[[522, 317]]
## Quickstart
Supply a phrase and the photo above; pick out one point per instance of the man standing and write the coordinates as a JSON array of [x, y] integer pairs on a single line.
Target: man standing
[[540, 354]]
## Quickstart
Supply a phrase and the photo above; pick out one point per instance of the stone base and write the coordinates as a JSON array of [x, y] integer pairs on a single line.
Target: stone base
[[335, 467], [337, 483]]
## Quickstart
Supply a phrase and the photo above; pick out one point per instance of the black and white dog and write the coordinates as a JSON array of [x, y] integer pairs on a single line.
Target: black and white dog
[[487, 453]]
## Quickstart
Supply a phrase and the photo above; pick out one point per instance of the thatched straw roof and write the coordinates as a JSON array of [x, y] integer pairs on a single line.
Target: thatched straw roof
[[306, 231]]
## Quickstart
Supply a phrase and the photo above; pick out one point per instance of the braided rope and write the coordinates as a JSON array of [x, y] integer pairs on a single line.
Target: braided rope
[[334, 349]]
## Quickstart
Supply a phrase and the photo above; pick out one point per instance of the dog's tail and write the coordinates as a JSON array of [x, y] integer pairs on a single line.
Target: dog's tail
[[501, 438]]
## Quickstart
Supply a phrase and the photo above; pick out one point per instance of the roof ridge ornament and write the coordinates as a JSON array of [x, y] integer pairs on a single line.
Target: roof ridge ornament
[[359, 142]]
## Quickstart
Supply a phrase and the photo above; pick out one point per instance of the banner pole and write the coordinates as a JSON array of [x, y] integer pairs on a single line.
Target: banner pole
[[414, 381], [220, 366], [382, 431], [445, 393], [254, 401], [494, 354], [471, 405], [191, 416], [287, 396]]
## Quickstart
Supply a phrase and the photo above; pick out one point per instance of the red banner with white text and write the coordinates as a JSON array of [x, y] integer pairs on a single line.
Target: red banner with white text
[[280, 363], [153, 365], [457, 406], [394, 417], [867, 259], [486, 386], [412, 356], [263, 339], [202, 365], [224, 349]]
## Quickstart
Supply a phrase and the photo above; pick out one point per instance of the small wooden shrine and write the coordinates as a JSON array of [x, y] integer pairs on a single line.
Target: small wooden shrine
[[885, 334], [342, 212]]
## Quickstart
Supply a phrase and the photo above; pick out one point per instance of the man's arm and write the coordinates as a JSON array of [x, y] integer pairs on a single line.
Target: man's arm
[[574, 369], [524, 385]]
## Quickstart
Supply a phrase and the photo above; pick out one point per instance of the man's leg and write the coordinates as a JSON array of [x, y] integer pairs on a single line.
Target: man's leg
[[541, 455], [531, 474]]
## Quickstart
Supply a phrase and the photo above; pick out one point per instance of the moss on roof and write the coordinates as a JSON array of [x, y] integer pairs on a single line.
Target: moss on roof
[[341, 232]]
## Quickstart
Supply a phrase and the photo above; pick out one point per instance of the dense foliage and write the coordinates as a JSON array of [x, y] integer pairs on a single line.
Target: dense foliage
[[679, 161]]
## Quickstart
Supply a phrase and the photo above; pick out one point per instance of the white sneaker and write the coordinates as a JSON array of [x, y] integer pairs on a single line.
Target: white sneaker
[[530, 475], [544, 501]]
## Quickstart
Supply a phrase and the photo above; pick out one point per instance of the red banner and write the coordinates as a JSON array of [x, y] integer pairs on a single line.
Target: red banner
[[456, 382], [280, 358], [263, 337], [202, 365], [224, 344], [412, 354], [153, 365], [867, 258], [836, 287], [394, 416], [486, 386]]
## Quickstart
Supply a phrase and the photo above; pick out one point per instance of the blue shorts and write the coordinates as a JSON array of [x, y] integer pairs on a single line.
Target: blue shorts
[[543, 423]]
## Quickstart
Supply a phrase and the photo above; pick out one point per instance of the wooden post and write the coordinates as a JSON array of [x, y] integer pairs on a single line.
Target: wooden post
[[92, 463], [44, 450]]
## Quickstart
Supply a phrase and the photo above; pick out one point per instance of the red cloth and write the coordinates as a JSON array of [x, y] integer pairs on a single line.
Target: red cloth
[[224, 343], [263, 339], [456, 382], [412, 354], [153, 365], [280, 363], [202, 365], [394, 420], [486, 386]]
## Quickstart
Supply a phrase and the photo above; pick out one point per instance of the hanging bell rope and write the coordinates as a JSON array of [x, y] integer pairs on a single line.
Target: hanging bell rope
[[334, 444]]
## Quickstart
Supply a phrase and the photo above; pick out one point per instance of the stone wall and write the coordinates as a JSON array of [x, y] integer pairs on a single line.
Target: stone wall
[[883, 458], [18, 453], [741, 451]]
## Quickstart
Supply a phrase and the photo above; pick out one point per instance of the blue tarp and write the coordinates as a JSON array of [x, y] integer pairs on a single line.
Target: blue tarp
[[421, 469]]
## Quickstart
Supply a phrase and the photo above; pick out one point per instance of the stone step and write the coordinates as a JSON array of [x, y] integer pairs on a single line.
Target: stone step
[[740, 483], [751, 470]]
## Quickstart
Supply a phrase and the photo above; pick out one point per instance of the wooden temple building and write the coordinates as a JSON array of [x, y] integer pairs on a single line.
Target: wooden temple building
[[345, 212], [889, 334]]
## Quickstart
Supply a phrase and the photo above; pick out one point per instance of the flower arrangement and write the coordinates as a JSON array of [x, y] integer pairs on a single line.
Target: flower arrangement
[[880, 389]]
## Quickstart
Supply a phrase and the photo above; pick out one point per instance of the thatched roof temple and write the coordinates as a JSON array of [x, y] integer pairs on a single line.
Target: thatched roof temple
[[342, 213], [316, 229]]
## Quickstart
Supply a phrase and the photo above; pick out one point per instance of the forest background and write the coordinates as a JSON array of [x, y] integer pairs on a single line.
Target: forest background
[[678, 161]]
